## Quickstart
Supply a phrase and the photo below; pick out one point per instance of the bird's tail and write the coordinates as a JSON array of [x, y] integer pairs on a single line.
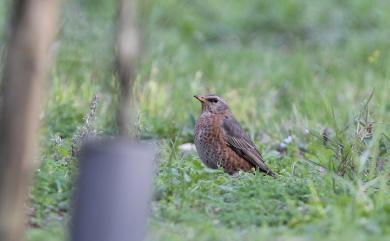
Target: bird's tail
[[271, 173]]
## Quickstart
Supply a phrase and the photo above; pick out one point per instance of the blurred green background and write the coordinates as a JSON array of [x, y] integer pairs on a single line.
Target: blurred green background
[[287, 68]]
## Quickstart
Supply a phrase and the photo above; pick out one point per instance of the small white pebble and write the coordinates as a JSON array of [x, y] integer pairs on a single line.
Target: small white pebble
[[187, 147], [288, 140]]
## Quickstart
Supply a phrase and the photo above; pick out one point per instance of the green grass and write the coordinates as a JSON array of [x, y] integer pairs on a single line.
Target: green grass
[[287, 68]]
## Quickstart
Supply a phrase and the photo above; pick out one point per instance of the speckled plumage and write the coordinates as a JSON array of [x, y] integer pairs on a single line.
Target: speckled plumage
[[221, 142]]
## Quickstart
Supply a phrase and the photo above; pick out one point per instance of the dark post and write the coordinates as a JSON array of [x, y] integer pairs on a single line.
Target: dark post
[[113, 191]]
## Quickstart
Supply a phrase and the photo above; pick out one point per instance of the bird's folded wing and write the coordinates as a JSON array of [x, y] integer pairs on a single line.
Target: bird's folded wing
[[242, 144]]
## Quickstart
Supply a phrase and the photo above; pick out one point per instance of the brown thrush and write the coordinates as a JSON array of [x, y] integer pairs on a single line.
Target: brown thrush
[[221, 142]]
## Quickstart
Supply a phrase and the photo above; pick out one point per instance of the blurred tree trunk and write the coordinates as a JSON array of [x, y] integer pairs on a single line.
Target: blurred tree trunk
[[128, 49], [31, 30]]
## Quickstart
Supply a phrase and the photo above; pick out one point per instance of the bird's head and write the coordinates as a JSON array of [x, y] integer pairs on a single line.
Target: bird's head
[[212, 103]]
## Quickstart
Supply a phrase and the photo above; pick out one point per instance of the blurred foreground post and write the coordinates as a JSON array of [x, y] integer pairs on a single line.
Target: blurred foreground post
[[32, 29], [113, 191], [115, 183]]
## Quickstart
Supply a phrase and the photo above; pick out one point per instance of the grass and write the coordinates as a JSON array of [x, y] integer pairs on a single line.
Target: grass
[[300, 70]]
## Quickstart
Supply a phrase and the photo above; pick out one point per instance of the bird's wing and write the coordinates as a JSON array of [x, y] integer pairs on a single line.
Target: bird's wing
[[240, 142]]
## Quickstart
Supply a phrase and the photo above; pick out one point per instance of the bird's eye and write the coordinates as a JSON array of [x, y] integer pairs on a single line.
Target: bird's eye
[[213, 100]]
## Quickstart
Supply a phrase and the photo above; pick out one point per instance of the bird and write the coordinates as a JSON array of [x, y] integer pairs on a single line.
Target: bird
[[222, 143]]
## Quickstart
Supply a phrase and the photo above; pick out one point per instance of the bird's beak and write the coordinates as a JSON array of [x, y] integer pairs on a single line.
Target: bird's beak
[[200, 98]]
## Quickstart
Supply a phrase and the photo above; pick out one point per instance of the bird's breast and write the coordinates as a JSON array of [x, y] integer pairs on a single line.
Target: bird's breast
[[208, 129], [209, 139]]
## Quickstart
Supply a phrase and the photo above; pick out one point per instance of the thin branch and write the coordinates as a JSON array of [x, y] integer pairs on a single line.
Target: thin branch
[[127, 56]]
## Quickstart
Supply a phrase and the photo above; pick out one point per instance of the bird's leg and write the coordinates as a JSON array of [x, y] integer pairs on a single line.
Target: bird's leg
[[236, 175]]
